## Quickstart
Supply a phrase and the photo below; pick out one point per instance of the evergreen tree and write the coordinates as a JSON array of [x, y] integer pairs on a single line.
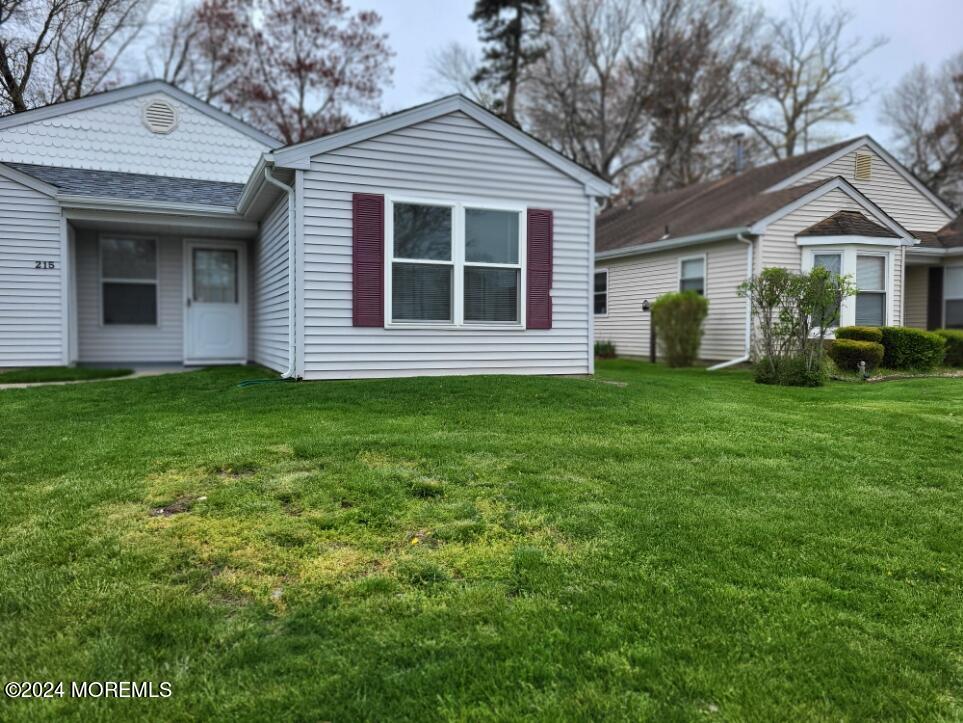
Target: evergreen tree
[[511, 31]]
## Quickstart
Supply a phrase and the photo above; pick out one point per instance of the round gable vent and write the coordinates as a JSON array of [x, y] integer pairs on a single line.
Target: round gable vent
[[160, 116]]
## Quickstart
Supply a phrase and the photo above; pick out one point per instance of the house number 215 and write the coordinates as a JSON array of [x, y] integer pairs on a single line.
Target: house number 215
[[45, 264]]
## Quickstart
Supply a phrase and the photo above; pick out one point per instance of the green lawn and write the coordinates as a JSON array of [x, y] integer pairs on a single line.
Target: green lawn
[[59, 374], [680, 545]]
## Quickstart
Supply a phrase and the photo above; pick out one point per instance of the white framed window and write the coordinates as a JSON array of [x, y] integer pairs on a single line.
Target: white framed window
[[601, 292], [871, 279], [454, 264], [692, 274], [870, 271], [128, 281], [953, 297]]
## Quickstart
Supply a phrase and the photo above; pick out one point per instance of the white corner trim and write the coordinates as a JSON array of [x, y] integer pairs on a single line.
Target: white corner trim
[[846, 240], [833, 184], [138, 90], [882, 153], [299, 154]]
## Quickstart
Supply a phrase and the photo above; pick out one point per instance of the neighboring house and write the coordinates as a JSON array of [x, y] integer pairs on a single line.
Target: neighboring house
[[141, 225], [850, 207]]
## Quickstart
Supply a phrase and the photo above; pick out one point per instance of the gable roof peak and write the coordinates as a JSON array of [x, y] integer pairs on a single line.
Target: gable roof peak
[[136, 90]]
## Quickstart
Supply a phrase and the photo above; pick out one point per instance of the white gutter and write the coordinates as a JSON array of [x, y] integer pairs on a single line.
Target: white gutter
[[671, 243], [95, 203], [292, 344], [745, 357]]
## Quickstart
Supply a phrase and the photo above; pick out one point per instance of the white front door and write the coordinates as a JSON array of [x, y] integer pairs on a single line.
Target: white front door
[[215, 328]]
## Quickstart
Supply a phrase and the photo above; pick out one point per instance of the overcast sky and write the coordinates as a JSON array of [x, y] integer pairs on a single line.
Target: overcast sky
[[925, 31]]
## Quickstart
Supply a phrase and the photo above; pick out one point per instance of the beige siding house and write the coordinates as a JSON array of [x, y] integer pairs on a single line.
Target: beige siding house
[[851, 207]]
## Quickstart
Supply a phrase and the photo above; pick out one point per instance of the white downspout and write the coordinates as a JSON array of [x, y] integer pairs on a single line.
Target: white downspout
[[748, 354], [289, 374]]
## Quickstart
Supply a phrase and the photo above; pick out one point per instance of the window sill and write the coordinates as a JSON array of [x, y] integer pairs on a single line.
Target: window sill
[[454, 327]]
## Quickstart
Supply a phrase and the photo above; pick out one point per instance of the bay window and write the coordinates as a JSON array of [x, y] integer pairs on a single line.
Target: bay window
[[455, 264], [872, 273], [953, 297]]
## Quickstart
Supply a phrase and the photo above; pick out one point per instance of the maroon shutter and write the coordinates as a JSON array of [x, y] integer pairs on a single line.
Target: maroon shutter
[[368, 259], [538, 307]]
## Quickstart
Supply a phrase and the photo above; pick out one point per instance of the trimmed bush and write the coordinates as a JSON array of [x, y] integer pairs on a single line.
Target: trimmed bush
[[860, 333], [906, 348], [605, 350], [790, 372], [954, 346], [678, 321], [848, 353]]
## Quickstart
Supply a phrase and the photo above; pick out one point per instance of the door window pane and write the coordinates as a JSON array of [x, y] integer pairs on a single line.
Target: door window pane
[[421, 292], [129, 258], [491, 236], [870, 309], [422, 232], [831, 262], [953, 282], [215, 276], [491, 294], [129, 303]]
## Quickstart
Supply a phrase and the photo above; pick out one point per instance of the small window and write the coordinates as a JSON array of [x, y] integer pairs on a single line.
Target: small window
[[128, 274], [601, 292], [871, 283], [692, 275], [830, 262], [953, 296], [864, 167]]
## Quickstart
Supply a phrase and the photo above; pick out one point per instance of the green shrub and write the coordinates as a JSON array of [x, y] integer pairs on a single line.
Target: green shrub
[[794, 371], [954, 346], [848, 353], [907, 348], [605, 350], [678, 321], [860, 333]]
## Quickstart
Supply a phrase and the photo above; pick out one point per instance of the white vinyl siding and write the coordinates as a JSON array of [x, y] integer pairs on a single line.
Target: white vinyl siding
[[31, 303], [99, 342], [887, 189], [114, 138], [917, 292], [270, 306], [633, 280], [454, 159]]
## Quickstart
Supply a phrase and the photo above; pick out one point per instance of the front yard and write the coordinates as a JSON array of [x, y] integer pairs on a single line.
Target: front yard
[[678, 545]]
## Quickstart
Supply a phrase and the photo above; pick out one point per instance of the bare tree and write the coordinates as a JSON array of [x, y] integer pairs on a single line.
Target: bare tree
[[589, 93], [700, 55], [925, 111], [205, 48], [91, 41], [312, 62], [806, 77], [453, 69], [52, 50]]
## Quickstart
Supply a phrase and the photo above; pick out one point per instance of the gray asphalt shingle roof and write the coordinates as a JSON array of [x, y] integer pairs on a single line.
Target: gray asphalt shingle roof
[[134, 186]]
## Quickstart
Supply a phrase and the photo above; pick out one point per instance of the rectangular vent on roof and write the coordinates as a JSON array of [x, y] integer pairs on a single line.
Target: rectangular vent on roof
[[864, 167]]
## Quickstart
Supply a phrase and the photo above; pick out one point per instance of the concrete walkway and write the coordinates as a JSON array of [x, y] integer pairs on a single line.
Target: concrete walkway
[[140, 373]]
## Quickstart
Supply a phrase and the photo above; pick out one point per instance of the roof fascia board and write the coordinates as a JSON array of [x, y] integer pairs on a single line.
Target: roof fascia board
[[29, 181], [880, 151], [136, 91], [850, 239], [831, 184], [298, 155], [673, 243]]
